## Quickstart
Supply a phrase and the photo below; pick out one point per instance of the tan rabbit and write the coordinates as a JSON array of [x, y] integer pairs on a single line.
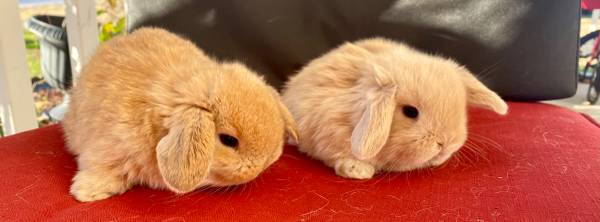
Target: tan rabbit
[[150, 108], [379, 105]]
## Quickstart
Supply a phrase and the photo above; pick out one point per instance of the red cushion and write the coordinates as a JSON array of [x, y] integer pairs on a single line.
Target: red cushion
[[540, 162]]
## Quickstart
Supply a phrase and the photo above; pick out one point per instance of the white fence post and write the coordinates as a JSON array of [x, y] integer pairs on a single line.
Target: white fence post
[[16, 98], [82, 31]]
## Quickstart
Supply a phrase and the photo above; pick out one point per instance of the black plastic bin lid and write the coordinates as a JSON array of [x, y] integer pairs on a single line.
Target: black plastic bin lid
[[49, 28], [54, 51]]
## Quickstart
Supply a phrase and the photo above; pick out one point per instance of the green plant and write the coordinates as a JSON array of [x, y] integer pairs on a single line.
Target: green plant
[[32, 45], [115, 24], [112, 29], [33, 62], [31, 41]]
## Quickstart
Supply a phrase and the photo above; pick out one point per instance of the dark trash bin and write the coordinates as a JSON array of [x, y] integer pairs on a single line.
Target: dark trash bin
[[54, 49]]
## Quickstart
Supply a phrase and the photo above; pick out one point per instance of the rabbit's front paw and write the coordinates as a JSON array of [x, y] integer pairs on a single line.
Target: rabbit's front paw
[[355, 169], [89, 186]]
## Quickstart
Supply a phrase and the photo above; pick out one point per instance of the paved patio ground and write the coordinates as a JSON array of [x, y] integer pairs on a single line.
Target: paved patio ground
[[579, 103]]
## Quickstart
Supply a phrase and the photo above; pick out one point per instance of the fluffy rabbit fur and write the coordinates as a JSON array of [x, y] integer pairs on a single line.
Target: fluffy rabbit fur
[[379, 105], [150, 108]]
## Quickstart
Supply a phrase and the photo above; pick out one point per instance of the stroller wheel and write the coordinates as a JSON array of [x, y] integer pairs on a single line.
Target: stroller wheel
[[592, 93]]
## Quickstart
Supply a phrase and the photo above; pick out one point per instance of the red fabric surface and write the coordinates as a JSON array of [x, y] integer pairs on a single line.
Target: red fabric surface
[[539, 163]]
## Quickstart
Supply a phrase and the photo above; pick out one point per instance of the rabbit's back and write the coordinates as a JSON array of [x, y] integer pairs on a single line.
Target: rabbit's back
[[323, 97], [113, 98]]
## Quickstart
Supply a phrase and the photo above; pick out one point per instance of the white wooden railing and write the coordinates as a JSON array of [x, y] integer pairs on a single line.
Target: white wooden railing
[[82, 31], [17, 109]]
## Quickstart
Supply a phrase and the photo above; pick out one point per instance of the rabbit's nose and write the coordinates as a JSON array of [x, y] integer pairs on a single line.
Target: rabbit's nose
[[440, 145]]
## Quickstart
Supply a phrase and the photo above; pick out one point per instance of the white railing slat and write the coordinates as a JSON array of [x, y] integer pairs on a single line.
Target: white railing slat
[[82, 31], [16, 99]]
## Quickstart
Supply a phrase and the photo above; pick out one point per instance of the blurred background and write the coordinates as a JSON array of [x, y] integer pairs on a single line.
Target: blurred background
[[111, 18], [50, 95], [586, 98]]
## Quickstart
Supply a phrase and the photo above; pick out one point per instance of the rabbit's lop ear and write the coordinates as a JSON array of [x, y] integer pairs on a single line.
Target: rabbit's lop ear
[[480, 96], [185, 153], [372, 130]]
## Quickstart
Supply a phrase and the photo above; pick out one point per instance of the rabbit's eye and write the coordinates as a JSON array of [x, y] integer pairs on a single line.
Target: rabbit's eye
[[228, 140], [410, 111]]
